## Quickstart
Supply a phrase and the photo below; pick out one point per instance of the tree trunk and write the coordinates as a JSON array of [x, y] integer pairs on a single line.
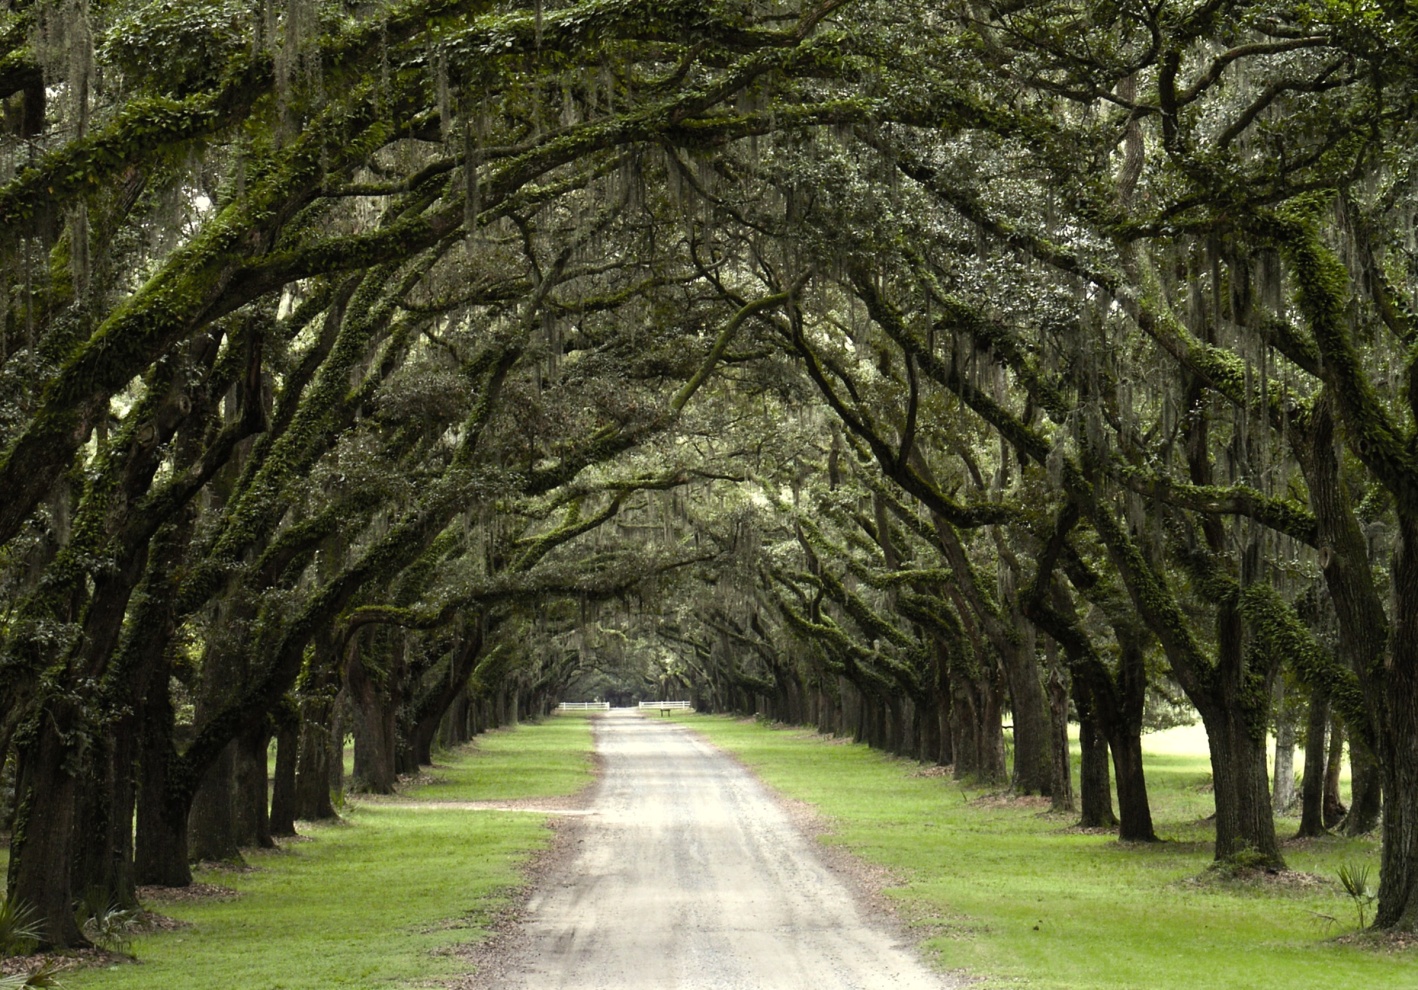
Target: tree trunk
[[1061, 778], [1282, 792], [103, 840], [1312, 785], [252, 785], [1366, 793], [160, 858], [1094, 785], [282, 819], [1033, 760], [1134, 809], [336, 741], [990, 734], [374, 733], [1334, 809], [1244, 823], [1398, 756], [211, 824], [42, 832], [312, 775]]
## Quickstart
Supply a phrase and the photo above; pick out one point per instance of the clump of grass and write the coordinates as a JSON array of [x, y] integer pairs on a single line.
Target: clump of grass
[[1354, 878]]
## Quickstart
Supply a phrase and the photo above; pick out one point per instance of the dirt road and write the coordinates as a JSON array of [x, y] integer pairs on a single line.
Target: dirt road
[[688, 875]]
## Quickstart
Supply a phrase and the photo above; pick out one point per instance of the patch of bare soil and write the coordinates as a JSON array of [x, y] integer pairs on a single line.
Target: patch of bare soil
[[1386, 942], [1004, 799], [934, 770], [193, 892], [61, 962], [147, 922], [1229, 877], [225, 866], [1088, 830]]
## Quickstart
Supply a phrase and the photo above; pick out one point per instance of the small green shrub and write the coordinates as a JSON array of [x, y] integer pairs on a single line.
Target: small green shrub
[[19, 928], [1354, 878], [102, 921]]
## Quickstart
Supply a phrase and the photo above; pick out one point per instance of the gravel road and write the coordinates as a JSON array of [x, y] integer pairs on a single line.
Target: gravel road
[[687, 874]]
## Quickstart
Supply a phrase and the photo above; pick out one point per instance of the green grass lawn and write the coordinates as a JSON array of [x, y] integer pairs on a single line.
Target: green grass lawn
[[1013, 895], [375, 901]]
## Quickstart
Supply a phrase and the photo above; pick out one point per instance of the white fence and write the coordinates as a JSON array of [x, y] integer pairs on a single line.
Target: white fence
[[679, 705], [584, 706]]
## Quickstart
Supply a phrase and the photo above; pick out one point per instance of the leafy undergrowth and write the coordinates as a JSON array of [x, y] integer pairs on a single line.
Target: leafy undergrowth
[[1016, 897], [376, 901]]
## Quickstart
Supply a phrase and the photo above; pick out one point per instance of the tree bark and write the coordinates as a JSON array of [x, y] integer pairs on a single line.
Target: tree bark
[[1398, 756], [375, 726], [1061, 782], [252, 786], [1334, 809], [1033, 760], [1312, 785], [103, 839], [1095, 787], [1366, 793], [1282, 792], [160, 856], [1244, 823], [211, 822], [42, 831], [282, 818]]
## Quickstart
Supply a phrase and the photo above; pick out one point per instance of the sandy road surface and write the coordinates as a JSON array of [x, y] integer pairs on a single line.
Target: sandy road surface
[[688, 875]]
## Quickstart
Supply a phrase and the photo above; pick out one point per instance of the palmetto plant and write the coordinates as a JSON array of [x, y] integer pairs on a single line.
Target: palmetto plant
[[103, 921], [45, 976], [1354, 878], [19, 928]]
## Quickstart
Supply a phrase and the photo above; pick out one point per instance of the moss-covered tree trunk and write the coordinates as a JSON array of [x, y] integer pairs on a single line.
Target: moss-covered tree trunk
[[42, 832], [103, 855]]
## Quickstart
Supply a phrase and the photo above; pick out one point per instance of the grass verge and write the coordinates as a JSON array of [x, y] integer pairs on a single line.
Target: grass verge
[[380, 900], [1016, 897]]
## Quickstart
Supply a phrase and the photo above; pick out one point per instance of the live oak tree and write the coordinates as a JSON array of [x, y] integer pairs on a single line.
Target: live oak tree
[[888, 367]]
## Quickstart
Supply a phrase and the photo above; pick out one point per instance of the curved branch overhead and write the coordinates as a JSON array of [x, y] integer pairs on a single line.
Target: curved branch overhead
[[897, 368]]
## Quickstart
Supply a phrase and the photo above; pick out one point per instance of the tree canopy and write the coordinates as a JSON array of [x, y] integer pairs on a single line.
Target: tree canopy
[[400, 366]]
